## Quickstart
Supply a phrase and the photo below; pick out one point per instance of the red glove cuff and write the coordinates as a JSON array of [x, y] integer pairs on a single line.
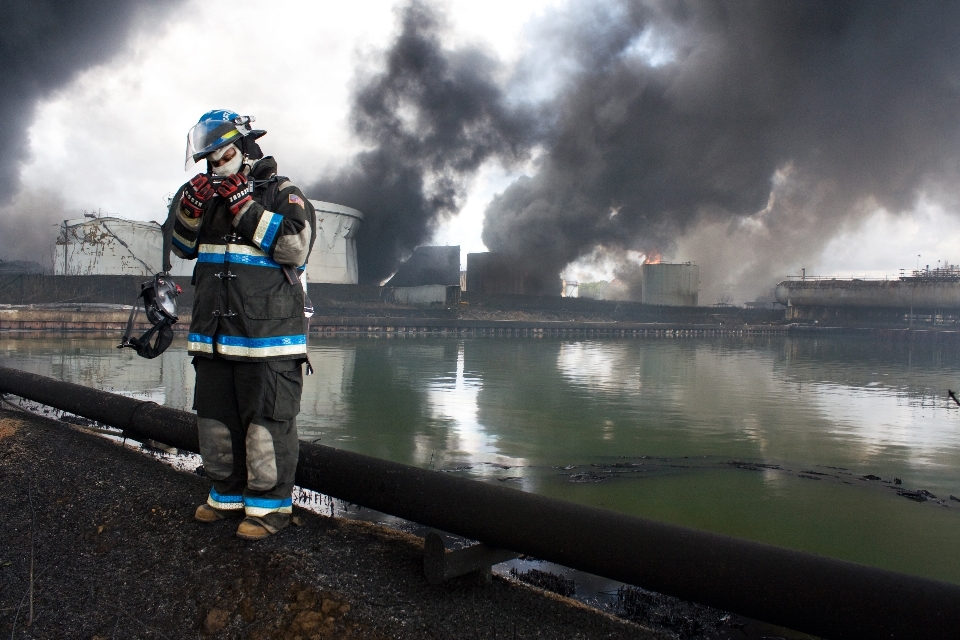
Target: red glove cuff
[[237, 190]]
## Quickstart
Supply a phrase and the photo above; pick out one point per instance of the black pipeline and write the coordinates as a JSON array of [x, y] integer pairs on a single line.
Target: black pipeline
[[826, 597]]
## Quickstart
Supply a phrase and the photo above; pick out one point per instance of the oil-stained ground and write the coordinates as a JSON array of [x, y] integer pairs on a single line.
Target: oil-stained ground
[[109, 538]]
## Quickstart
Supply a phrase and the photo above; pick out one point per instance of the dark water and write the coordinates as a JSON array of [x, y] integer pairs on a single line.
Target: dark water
[[763, 439]]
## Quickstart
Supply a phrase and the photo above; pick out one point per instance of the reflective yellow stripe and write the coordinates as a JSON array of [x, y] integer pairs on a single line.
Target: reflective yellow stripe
[[242, 249], [262, 511], [184, 241], [246, 250], [190, 223], [260, 352], [268, 219], [203, 347], [224, 506]]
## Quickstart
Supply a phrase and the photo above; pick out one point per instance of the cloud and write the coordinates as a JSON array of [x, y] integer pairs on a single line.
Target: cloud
[[755, 130], [28, 226], [431, 116], [43, 45]]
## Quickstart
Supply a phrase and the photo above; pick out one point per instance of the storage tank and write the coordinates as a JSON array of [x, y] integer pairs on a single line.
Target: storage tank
[[671, 285], [109, 245], [334, 256]]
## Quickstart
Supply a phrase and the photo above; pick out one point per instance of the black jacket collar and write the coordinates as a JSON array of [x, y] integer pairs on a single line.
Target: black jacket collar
[[264, 168]]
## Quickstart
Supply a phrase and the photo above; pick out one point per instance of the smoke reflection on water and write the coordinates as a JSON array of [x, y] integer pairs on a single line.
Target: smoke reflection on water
[[643, 426]]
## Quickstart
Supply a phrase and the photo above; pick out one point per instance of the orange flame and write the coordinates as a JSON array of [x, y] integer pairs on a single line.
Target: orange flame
[[652, 257]]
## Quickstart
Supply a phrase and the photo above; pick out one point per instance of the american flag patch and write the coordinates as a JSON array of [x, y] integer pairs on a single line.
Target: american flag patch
[[295, 199]]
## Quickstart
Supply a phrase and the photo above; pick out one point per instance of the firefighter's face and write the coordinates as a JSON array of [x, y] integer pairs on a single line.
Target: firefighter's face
[[221, 157]]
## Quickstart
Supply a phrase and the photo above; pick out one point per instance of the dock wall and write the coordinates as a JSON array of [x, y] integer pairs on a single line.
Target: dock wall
[[113, 318]]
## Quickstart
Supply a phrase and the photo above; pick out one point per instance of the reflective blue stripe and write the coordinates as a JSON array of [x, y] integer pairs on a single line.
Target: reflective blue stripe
[[267, 503], [216, 258], [183, 247], [259, 343], [219, 497], [271, 233], [236, 258], [255, 261], [199, 337]]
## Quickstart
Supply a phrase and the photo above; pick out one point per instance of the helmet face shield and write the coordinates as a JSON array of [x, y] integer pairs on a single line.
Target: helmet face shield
[[215, 130]]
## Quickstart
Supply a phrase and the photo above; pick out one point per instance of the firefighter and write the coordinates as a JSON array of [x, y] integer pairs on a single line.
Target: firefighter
[[250, 232]]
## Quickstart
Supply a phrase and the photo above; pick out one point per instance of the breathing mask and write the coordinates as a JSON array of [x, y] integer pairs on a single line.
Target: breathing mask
[[160, 304]]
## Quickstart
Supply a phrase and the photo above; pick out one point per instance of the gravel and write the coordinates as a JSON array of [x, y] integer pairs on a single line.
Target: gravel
[[116, 554]]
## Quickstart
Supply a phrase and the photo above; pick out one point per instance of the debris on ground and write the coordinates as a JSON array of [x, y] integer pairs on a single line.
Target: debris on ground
[[100, 542]]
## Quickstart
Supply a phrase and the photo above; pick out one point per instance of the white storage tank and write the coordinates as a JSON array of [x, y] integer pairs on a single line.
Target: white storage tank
[[671, 285], [112, 246], [334, 256]]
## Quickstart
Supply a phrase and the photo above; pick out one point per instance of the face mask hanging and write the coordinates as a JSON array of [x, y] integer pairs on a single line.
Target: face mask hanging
[[160, 304]]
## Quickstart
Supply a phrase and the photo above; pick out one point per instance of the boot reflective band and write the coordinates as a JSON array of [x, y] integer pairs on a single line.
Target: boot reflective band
[[224, 503], [262, 506]]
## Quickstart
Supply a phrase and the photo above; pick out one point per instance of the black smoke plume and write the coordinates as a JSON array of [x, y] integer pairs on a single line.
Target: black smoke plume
[[43, 45], [431, 117], [756, 130]]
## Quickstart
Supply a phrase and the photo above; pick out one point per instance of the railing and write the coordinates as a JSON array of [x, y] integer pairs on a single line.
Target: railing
[[839, 278], [826, 597]]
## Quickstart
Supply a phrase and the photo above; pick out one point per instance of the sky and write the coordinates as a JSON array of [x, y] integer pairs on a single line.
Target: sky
[[112, 137]]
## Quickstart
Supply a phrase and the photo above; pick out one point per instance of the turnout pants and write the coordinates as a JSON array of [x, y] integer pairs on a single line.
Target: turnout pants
[[246, 414]]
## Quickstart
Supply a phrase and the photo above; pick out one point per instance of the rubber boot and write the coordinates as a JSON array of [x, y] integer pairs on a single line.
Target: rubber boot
[[258, 528], [207, 514]]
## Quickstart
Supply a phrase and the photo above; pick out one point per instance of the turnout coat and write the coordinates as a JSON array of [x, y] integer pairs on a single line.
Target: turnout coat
[[245, 307]]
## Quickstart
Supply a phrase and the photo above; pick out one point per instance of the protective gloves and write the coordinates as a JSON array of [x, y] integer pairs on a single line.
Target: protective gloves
[[237, 191], [196, 194]]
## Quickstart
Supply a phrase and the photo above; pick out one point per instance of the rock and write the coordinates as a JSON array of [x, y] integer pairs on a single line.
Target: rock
[[329, 605], [306, 599], [871, 477], [215, 621], [306, 622], [246, 610]]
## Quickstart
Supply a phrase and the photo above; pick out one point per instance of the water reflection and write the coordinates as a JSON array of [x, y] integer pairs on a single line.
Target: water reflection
[[325, 404], [642, 426]]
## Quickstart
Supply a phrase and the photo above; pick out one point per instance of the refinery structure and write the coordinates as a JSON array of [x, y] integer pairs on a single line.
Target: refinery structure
[[922, 296], [109, 245]]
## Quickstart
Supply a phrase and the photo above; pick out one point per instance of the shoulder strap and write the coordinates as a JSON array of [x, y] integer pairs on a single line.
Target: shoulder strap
[[167, 229], [266, 191]]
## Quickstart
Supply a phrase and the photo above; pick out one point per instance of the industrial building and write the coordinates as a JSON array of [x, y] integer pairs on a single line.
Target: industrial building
[[497, 273], [924, 296], [670, 285], [110, 245], [433, 265], [431, 275]]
